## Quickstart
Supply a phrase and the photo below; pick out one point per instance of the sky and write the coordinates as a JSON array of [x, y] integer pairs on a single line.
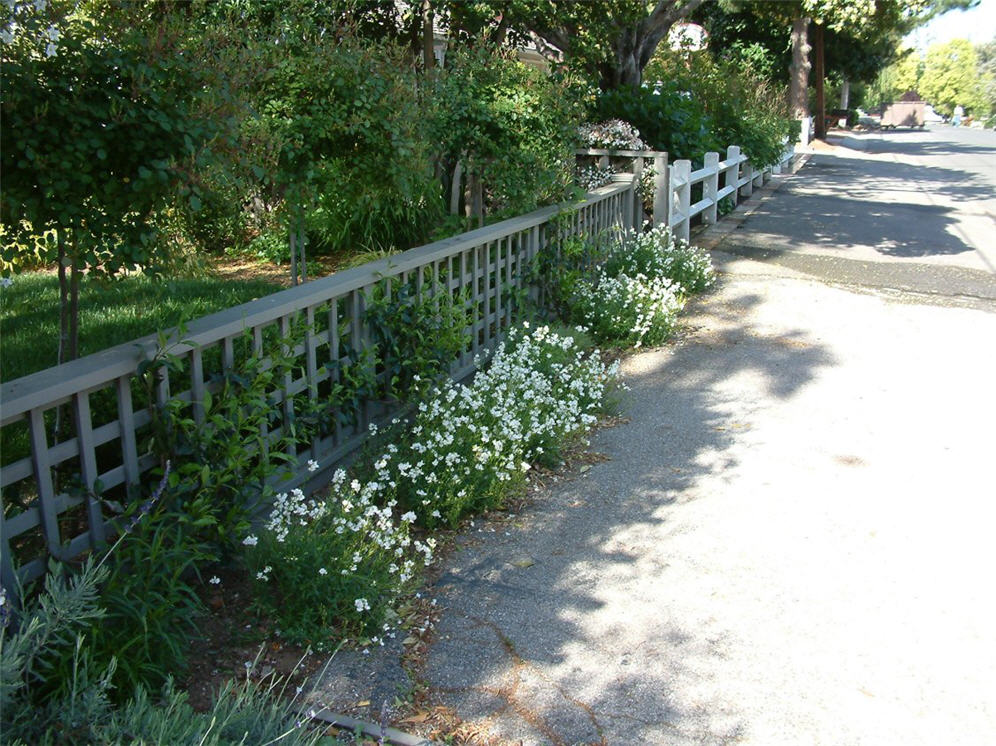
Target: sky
[[978, 25]]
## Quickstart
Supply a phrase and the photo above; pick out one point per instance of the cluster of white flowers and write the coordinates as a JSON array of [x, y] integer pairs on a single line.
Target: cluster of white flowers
[[592, 177], [613, 134], [470, 443], [658, 252], [637, 292], [289, 510], [636, 310]]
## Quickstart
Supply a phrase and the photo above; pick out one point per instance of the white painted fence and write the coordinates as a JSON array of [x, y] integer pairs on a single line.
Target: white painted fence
[[733, 177]]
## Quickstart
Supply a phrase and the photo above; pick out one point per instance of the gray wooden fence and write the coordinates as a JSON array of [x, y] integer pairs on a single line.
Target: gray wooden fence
[[49, 504]]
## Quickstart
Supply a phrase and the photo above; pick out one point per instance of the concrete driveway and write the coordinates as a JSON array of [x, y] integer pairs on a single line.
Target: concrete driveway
[[792, 539]]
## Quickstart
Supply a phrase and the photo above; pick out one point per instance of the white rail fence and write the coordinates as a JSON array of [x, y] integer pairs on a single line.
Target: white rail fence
[[733, 177], [53, 493]]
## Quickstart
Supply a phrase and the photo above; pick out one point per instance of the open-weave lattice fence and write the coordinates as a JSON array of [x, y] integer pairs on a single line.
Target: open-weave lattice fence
[[58, 493]]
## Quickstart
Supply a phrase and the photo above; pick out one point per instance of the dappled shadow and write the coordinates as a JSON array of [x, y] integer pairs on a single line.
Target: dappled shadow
[[896, 143], [553, 615], [838, 203]]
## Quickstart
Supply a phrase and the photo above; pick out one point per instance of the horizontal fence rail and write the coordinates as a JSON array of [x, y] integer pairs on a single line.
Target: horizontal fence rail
[[49, 485], [731, 178], [673, 184]]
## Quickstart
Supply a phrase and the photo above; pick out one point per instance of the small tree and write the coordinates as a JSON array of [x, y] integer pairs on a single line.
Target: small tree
[[951, 77], [98, 132]]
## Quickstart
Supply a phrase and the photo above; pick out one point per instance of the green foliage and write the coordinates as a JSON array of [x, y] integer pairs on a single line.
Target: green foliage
[[470, 445], [737, 105], [94, 137], [417, 333], [634, 296], [55, 626], [896, 79], [373, 177], [507, 123], [951, 78], [667, 117], [150, 600], [224, 461]]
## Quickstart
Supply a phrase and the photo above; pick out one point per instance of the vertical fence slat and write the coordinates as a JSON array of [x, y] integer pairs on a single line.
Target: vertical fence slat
[[126, 422], [88, 467], [311, 368], [227, 354], [710, 188], [335, 362], [43, 477], [197, 384], [661, 188], [8, 577]]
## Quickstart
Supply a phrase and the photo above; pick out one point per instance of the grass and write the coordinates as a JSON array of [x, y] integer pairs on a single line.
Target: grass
[[110, 313]]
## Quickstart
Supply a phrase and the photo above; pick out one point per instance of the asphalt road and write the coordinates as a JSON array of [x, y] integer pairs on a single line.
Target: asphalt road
[[792, 540]]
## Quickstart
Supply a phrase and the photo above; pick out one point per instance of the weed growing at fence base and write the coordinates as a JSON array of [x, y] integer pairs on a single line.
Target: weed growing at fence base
[[54, 627]]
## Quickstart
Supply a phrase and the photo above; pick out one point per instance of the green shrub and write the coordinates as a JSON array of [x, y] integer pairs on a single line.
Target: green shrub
[[509, 124], [657, 253], [634, 296], [471, 444], [417, 333], [734, 103], [667, 117], [223, 463], [633, 311]]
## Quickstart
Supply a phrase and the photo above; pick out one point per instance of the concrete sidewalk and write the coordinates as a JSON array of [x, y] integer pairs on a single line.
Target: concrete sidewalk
[[790, 541]]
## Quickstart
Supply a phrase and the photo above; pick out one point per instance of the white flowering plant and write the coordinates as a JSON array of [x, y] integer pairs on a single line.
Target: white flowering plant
[[324, 569], [612, 134], [658, 253], [633, 298], [472, 444]]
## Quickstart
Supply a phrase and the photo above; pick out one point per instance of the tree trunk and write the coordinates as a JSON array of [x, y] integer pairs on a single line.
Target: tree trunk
[[428, 39], [63, 303], [845, 94], [293, 253], [74, 310], [302, 240], [624, 69], [799, 82], [820, 72], [455, 188]]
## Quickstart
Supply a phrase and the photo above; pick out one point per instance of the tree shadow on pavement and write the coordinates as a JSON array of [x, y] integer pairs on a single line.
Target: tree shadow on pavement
[[561, 625], [837, 203]]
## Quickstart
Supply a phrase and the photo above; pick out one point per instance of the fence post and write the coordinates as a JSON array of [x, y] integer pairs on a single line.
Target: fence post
[[637, 199], [747, 180], [681, 200], [710, 188], [731, 175], [661, 188]]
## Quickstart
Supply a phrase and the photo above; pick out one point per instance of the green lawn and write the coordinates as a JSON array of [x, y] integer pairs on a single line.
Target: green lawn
[[110, 313]]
